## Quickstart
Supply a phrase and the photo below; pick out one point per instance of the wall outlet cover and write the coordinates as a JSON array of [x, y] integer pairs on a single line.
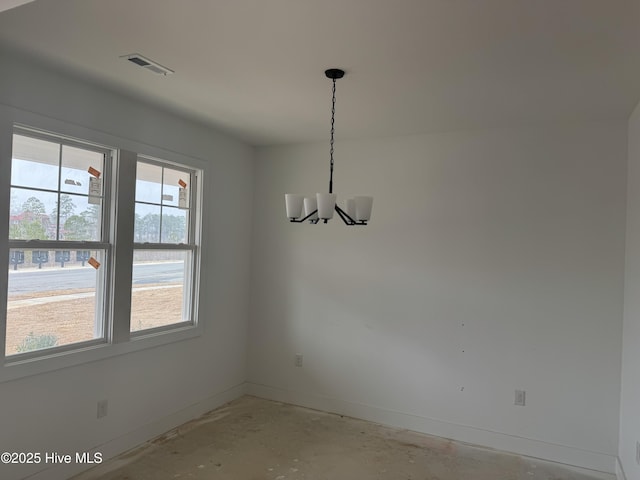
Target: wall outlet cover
[[102, 408]]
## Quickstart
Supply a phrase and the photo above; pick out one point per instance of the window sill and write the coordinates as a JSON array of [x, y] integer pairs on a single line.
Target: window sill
[[16, 368]]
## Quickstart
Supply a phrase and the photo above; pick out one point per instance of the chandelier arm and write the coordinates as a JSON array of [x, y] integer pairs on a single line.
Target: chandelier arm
[[346, 218], [301, 220]]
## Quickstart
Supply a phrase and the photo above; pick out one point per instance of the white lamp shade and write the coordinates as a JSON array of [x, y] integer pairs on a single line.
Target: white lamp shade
[[351, 208], [363, 208], [310, 205], [326, 205], [294, 205]]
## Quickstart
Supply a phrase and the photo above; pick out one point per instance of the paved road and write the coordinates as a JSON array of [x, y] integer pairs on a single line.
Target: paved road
[[83, 277]]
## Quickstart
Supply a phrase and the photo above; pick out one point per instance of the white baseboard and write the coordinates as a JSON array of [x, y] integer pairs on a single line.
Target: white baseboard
[[571, 456], [598, 462], [142, 434], [619, 470]]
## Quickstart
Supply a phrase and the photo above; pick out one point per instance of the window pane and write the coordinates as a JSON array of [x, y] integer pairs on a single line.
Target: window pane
[[173, 182], [148, 183], [75, 168], [174, 225], [79, 219], [147, 223], [52, 298], [28, 218], [35, 163], [160, 288]]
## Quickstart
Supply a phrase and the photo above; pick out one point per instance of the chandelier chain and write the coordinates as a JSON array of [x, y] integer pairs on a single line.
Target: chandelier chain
[[333, 115]]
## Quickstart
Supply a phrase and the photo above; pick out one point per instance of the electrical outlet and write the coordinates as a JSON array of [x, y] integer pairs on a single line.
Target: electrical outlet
[[638, 453], [298, 361], [520, 398], [102, 408]]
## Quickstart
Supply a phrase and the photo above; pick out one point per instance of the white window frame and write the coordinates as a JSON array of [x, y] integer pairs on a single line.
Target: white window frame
[[119, 340], [102, 304], [191, 273]]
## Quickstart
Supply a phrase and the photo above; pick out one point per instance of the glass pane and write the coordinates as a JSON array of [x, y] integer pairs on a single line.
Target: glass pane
[[35, 163], [173, 182], [79, 219], [174, 225], [147, 223], [148, 183], [75, 168], [53, 299], [160, 288], [28, 218]]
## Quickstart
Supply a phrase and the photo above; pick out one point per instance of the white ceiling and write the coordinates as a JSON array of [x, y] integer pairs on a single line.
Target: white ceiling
[[255, 67], [7, 4]]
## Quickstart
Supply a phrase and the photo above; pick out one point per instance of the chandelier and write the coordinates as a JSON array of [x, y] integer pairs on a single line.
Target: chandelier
[[322, 206]]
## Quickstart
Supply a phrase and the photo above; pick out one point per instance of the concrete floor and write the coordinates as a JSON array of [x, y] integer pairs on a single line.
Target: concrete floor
[[255, 439]]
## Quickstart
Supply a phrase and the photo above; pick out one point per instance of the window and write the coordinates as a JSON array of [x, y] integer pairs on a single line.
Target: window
[[91, 265], [58, 248], [164, 255]]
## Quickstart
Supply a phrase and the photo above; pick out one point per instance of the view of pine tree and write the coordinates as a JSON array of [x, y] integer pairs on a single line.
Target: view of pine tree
[[34, 206], [16, 231], [15, 209], [147, 228], [173, 229], [76, 227], [67, 208], [83, 226], [92, 216], [32, 224]]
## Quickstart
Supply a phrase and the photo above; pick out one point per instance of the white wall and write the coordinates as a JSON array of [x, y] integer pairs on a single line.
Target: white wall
[[494, 261], [149, 391], [630, 397]]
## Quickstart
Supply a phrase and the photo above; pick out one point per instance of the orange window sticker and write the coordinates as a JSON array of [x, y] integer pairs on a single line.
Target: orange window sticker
[[182, 183], [94, 263], [94, 172]]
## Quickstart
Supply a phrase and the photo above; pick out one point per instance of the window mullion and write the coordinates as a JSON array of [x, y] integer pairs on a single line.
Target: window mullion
[[6, 140], [58, 193], [191, 207], [122, 261], [161, 203]]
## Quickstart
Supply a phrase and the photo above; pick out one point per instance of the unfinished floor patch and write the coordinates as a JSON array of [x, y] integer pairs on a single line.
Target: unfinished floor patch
[[255, 439]]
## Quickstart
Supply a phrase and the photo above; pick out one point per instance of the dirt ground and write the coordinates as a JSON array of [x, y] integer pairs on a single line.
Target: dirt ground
[[72, 320]]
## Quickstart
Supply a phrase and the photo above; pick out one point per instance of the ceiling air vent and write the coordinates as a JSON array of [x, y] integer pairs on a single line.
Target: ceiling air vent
[[144, 62]]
